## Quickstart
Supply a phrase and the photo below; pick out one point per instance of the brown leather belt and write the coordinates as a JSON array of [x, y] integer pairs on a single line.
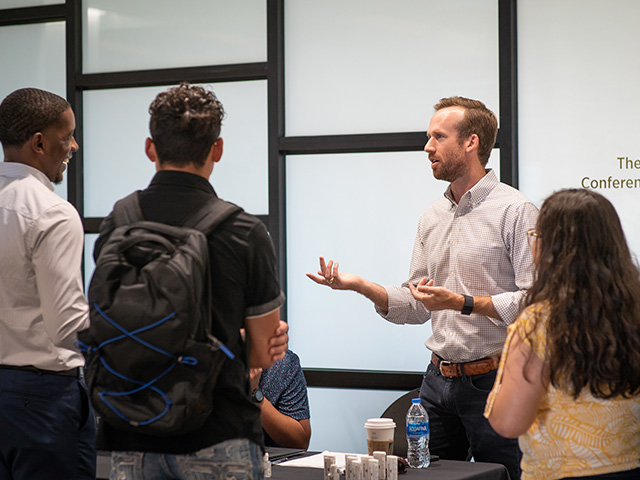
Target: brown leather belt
[[479, 367], [74, 372]]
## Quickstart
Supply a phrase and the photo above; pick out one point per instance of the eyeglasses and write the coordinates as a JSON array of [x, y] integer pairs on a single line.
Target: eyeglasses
[[531, 235]]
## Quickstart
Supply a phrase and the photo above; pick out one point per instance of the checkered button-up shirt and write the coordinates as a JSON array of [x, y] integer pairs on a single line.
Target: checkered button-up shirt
[[477, 247]]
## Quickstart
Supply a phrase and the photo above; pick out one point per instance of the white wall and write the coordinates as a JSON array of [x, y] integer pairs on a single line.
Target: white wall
[[359, 67], [579, 102]]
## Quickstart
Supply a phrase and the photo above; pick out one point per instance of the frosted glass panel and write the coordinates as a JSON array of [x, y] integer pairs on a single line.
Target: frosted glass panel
[[89, 264], [27, 3], [33, 56], [117, 124], [338, 417], [361, 210], [579, 103], [145, 34], [377, 66]]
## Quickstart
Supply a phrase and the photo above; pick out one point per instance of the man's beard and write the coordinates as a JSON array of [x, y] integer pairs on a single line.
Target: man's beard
[[451, 170]]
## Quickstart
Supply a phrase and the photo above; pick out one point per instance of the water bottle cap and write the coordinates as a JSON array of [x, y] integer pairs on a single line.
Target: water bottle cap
[[415, 400]]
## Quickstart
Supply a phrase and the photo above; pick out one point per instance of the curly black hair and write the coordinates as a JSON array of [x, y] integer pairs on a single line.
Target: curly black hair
[[185, 121]]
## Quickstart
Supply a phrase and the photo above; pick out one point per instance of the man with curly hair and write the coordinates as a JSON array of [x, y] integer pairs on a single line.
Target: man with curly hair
[[185, 145], [47, 422]]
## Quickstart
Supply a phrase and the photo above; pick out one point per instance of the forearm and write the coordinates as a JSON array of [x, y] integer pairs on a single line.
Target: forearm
[[481, 306], [513, 403], [439, 298], [374, 292], [284, 430], [260, 330]]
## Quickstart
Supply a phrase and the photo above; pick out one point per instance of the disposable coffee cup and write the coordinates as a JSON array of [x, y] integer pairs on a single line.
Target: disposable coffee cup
[[380, 435]]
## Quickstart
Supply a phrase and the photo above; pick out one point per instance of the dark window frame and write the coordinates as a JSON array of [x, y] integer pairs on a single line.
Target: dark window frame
[[279, 146]]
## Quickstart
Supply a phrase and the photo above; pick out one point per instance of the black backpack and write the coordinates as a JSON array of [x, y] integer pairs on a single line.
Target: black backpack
[[151, 361]]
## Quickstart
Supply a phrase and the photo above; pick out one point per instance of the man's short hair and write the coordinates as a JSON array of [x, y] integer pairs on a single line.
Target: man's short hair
[[477, 119], [28, 111], [185, 121]]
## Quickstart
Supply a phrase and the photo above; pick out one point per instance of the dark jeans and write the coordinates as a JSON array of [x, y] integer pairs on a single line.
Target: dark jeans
[[48, 427], [455, 407]]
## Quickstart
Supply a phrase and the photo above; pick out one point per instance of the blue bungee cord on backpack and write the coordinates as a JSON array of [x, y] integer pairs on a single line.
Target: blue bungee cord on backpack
[[185, 360]]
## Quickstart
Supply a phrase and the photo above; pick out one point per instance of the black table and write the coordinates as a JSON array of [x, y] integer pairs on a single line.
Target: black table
[[440, 470]]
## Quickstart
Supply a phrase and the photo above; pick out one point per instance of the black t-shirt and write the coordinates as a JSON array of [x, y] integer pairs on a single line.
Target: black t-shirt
[[244, 283]]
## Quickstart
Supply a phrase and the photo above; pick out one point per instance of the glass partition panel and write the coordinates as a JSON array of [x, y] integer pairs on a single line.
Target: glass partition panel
[[33, 56], [579, 105], [361, 210], [27, 3], [338, 417], [120, 35], [89, 264], [117, 123], [370, 66]]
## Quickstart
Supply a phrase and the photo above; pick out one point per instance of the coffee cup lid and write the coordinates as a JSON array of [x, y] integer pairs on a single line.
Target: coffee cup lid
[[380, 423]]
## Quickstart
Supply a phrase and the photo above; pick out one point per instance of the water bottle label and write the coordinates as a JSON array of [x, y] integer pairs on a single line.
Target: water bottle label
[[415, 430]]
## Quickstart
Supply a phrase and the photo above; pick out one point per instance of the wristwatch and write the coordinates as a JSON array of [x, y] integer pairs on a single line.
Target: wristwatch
[[257, 395], [468, 305]]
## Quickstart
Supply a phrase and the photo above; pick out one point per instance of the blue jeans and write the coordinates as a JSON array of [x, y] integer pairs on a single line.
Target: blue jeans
[[48, 427], [458, 427], [240, 459]]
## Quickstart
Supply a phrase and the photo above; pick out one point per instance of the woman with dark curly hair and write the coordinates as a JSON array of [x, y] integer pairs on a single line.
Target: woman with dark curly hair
[[569, 378]]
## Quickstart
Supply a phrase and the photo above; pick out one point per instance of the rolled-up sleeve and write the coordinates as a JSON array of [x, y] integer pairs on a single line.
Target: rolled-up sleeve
[[508, 304]]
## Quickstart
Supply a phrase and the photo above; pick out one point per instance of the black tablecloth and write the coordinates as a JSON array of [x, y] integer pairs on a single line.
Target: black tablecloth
[[440, 470]]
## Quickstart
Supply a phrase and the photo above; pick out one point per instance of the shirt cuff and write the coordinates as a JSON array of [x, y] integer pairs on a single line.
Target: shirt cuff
[[403, 308], [508, 306]]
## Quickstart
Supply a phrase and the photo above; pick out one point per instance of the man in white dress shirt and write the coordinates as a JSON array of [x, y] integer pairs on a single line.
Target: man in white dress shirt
[[46, 419]]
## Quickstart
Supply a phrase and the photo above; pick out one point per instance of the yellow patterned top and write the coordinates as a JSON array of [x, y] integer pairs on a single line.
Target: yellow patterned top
[[573, 438]]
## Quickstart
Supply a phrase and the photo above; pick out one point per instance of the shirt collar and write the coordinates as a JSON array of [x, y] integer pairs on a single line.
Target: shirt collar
[[477, 193], [182, 179], [22, 170]]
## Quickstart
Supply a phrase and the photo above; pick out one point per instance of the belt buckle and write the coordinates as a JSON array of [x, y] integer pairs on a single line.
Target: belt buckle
[[446, 364]]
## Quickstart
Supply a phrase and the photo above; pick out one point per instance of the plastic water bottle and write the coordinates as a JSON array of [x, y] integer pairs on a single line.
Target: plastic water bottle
[[418, 435]]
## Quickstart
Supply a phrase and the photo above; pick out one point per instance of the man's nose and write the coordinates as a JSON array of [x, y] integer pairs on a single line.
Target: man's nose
[[428, 147], [74, 144]]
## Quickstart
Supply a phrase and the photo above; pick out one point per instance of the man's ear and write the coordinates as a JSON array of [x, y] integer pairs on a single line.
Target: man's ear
[[473, 143], [216, 150], [37, 142], [150, 150]]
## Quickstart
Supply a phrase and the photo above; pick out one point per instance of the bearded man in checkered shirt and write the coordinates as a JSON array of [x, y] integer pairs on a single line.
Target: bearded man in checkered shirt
[[470, 269]]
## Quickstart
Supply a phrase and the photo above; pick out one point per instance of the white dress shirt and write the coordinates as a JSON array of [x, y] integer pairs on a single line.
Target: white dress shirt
[[42, 303], [477, 247]]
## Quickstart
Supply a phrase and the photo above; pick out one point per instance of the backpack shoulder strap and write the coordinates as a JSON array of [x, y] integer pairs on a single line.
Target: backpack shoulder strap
[[211, 214], [127, 210]]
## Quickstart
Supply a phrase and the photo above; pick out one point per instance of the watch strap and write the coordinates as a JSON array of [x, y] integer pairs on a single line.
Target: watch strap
[[468, 305], [257, 395]]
